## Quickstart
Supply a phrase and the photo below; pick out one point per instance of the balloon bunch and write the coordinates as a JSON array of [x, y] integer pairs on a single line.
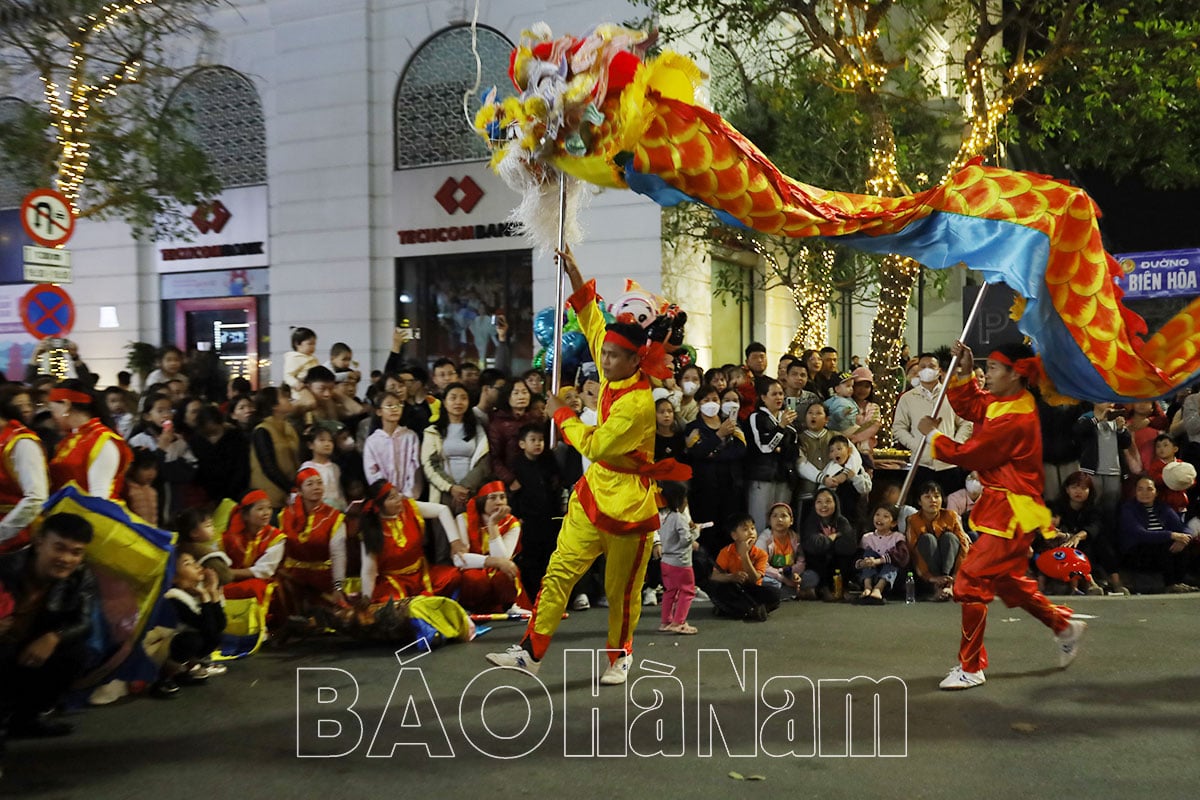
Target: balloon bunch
[[575, 350]]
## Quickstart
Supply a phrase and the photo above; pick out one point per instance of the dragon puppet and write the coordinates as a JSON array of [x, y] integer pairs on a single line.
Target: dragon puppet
[[599, 110]]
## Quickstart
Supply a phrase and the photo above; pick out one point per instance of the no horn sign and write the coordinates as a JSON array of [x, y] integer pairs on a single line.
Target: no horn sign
[[47, 312]]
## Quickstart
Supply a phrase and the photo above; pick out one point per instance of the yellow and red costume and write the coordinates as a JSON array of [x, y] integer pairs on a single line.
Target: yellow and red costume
[[399, 569], [23, 484], [486, 589], [75, 455], [614, 509], [1006, 450], [258, 550], [314, 550]]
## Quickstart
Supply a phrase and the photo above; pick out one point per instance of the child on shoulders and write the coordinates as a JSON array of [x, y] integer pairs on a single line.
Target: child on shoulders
[[885, 553], [301, 358]]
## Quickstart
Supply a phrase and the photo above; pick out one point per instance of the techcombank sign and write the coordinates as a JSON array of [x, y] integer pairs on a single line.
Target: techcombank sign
[[459, 208], [228, 233]]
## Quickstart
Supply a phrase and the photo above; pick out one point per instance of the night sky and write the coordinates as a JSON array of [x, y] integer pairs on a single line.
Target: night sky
[[1137, 219]]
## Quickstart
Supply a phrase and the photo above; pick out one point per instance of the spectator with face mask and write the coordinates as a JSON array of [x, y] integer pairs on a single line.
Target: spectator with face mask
[[916, 403]]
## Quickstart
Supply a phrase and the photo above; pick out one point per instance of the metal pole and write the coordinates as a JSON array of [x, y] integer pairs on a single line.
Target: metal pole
[[559, 299], [915, 459]]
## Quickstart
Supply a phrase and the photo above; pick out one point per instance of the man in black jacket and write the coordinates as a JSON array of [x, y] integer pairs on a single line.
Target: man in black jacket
[[42, 640]]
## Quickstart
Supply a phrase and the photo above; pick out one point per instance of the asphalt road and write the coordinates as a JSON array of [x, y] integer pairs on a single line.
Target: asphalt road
[[1120, 723]]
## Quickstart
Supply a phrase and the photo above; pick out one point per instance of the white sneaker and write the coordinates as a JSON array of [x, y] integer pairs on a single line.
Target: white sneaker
[[1068, 642], [516, 609], [961, 679], [108, 693], [649, 598], [701, 597], [617, 674], [581, 603], [515, 657]]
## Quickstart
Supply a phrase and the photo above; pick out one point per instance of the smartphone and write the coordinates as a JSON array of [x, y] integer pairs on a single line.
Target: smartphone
[[792, 403]]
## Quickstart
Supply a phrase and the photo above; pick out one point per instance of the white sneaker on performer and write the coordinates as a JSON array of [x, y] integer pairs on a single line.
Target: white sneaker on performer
[[516, 609], [961, 679], [516, 657], [1068, 642], [581, 603], [618, 673], [649, 598]]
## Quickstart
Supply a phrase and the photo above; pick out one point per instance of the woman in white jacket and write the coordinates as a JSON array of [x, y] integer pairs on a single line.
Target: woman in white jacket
[[454, 452]]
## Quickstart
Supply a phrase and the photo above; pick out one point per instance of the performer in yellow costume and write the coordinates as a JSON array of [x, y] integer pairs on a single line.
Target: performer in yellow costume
[[614, 509]]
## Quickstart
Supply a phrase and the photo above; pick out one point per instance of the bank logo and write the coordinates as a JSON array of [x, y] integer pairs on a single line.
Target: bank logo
[[508, 714], [211, 217], [454, 194]]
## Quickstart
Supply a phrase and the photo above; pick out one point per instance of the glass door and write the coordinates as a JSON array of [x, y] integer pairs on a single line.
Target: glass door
[[227, 327]]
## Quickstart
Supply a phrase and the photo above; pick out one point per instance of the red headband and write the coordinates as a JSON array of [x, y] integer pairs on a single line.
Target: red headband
[[1029, 368], [305, 474], [61, 394], [252, 497], [613, 337]]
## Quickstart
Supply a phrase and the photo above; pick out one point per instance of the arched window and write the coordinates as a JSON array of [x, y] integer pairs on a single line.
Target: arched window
[[226, 122], [12, 187], [430, 125]]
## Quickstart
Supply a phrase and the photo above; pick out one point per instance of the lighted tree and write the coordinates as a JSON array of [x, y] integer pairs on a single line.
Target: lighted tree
[[1075, 69], [103, 132]]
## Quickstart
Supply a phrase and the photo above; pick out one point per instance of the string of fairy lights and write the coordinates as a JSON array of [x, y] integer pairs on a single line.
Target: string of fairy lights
[[83, 93]]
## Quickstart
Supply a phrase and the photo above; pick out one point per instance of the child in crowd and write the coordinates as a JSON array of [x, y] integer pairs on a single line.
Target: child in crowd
[[845, 474], [677, 540], [841, 406], [195, 606], [885, 553], [319, 441], [341, 361], [537, 501], [196, 536], [156, 432], [140, 494], [829, 541], [735, 586], [393, 452], [787, 570], [1166, 452], [668, 437], [814, 450], [300, 359], [116, 400], [170, 366], [891, 496]]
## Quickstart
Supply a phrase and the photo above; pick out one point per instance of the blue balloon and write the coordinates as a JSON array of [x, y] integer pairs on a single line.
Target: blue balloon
[[543, 326], [574, 350]]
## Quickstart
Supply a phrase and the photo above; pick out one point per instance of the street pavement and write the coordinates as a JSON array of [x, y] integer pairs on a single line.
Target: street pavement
[[1120, 723]]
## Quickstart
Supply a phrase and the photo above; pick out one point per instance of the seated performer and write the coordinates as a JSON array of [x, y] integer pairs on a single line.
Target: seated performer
[[393, 547], [314, 553], [91, 455], [254, 546], [483, 546]]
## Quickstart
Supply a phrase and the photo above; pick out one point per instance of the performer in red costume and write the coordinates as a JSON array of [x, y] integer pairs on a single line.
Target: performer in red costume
[[483, 545], [254, 546], [91, 455], [393, 545], [1006, 450], [24, 484], [314, 554]]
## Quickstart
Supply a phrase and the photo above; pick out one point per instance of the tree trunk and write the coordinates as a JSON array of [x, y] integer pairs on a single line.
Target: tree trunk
[[896, 278]]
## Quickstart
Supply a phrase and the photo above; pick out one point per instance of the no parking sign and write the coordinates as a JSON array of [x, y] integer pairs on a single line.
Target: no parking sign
[[47, 312]]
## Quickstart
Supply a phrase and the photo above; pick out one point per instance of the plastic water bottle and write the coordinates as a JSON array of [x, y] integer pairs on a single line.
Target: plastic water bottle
[[839, 588], [910, 589]]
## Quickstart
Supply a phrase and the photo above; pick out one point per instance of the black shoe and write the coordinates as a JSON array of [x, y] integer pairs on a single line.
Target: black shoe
[[39, 727], [165, 689]]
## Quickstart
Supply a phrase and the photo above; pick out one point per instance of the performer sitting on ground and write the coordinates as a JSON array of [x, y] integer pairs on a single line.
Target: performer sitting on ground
[[613, 510], [92, 455], [1006, 450], [393, 545], [254, 546], [314, 558], [483, 545]]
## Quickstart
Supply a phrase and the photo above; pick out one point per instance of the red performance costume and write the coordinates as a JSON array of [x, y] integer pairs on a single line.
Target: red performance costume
[[79, 453], [1006, 450], [259, 551], [23, 484], [488, 589], [400, 570], [314, 553]]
